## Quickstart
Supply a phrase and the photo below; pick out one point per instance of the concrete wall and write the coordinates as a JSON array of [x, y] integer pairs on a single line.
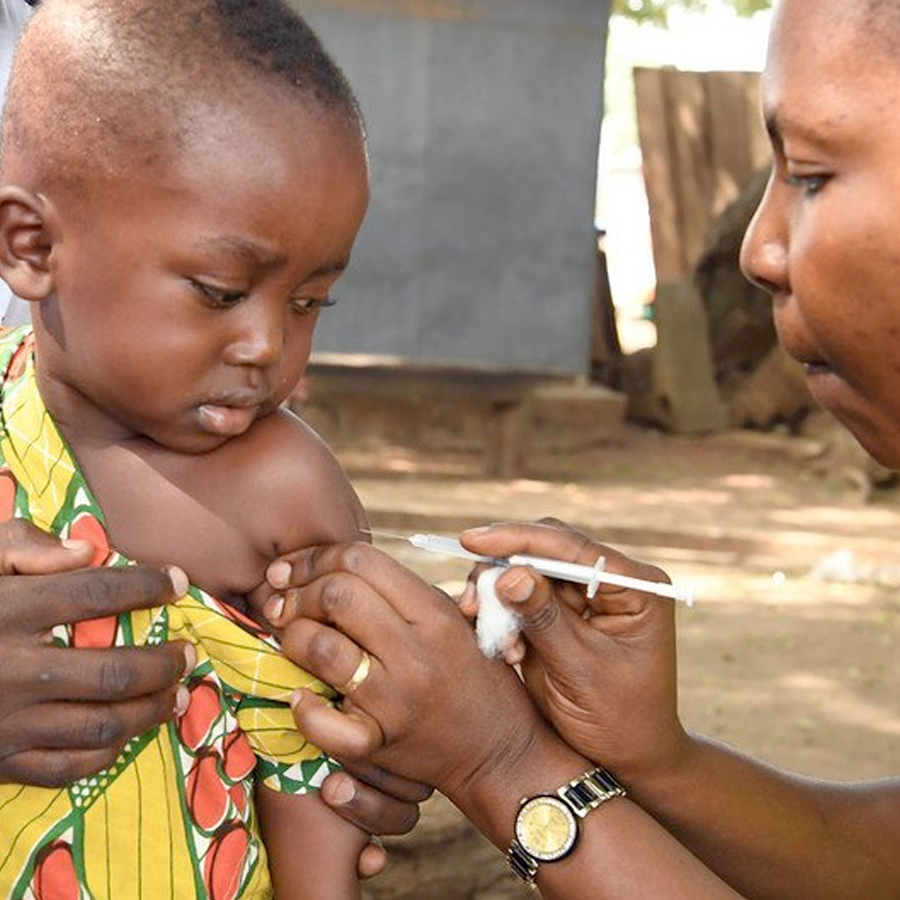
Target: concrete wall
[[483, 120]]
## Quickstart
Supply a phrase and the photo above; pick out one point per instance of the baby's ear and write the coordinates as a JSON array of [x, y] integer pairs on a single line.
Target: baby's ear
[[25, 243]]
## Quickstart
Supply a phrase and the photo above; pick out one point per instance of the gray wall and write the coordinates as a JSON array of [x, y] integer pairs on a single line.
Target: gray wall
[[483, 120]]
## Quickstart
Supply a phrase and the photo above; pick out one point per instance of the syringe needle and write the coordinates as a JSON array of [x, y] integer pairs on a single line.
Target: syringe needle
[[387, 535]]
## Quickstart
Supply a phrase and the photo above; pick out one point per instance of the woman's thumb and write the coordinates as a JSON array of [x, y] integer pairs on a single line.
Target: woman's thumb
[[545, 621]]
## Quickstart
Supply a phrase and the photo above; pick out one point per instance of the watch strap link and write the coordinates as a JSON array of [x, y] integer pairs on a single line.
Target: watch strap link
[[588, 791], [522, 863]]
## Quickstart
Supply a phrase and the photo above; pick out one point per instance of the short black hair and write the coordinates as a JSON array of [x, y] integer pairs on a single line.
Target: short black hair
[[94, 78]]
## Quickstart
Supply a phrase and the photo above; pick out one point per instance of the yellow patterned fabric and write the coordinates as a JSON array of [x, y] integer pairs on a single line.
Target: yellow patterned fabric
[[174, 816]]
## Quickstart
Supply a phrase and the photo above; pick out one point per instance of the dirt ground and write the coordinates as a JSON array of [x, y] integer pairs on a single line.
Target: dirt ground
[[791, 650]]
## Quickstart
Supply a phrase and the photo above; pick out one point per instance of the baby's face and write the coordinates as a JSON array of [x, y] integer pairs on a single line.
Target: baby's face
[[825, 239], [186, 295]]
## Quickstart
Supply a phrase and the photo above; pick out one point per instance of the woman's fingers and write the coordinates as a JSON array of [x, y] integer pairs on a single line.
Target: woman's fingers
[[396, 786], [555, 540], [54, 744], [39, 673], [36, 603], [550, 628], [545, 538], [388, 578], [350, 734], [371, 809], [26, 550], [336, 656]]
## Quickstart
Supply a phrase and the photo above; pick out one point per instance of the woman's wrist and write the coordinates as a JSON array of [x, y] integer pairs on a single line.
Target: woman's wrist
[[492, 796], [646, 755], [651, 782]]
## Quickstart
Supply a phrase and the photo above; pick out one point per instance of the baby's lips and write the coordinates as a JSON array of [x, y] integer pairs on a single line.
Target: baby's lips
[[226, 421]]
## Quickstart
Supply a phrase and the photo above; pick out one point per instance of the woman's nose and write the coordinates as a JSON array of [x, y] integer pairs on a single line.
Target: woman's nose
[[764, 254]]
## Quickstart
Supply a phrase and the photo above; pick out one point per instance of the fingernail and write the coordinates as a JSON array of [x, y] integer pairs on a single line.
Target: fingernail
[[72, 544], [279, 574], [343, 791], [190, 659], [474, 532], [517, 587], [273, 609], [296, 699], [179, 580], [182, 700]]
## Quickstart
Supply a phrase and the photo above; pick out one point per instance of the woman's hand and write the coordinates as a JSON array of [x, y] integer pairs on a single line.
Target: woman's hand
[[431, 708], [602, 669]]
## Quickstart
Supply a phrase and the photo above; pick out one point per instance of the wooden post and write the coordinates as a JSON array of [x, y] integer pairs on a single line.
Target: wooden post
[[702, 139], [683, 379]]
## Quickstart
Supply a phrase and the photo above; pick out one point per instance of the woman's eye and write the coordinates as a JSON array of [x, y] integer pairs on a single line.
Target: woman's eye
[[218, 296], [809, 184], [306, 305]]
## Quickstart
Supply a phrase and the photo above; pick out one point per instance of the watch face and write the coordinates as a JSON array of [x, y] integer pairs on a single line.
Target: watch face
[[546, 828]]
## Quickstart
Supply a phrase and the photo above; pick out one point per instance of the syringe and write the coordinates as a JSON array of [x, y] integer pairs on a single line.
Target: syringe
[[591, 576]]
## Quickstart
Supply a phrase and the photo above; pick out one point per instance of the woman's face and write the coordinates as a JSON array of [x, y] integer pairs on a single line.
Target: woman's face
[[826, 238]]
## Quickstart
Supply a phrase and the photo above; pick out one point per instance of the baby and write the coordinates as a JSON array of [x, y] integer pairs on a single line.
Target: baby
[[182, 184]]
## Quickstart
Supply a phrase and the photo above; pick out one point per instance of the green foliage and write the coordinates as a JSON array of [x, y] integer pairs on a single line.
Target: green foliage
[[658, 10]]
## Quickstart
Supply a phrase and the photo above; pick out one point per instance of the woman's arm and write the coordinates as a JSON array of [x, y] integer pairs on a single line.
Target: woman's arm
[[777, 835], [604, 673]]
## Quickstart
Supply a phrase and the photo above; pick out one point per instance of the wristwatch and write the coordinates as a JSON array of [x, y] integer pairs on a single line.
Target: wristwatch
[[547, 825]]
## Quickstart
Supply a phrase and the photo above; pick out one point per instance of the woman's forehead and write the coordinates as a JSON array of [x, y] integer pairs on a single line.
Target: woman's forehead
[[845, 27], [822, 49]]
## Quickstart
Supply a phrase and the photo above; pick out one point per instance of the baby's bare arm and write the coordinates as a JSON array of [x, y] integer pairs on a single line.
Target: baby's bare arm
[[313, 852], [307, 498]]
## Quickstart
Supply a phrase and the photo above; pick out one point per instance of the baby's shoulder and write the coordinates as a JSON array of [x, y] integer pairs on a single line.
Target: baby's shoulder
[[298, 491]]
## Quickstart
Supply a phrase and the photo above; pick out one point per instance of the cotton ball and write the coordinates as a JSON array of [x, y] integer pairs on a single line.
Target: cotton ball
[[496, 625]]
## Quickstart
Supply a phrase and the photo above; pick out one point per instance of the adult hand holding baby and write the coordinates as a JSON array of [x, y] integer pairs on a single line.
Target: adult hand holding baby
[[413, 713], [65, 712]]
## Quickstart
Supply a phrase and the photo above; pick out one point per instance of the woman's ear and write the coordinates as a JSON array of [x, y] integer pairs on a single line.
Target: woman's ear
[[25, 243]]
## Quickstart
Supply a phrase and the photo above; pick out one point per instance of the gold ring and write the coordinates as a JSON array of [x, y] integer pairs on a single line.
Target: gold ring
[[360, 674]]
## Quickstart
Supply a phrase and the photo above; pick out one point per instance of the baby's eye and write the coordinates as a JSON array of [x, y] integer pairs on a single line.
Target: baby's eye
[[305, 305], [219, 297]]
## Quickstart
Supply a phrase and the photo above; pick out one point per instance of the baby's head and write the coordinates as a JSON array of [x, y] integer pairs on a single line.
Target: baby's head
[[102, 85], [183, 181]]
